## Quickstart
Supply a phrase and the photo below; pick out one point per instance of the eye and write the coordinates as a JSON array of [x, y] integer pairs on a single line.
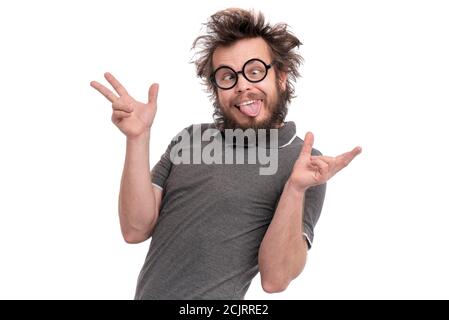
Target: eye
[[227, 77], [255, 72]]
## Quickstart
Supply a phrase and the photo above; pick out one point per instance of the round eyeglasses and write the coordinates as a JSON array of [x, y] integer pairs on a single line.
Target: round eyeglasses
[[254, 70]]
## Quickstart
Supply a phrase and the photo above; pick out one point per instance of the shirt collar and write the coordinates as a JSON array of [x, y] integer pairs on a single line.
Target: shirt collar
[[286, 134]]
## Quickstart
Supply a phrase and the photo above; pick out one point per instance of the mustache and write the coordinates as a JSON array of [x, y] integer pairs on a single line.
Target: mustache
[[247, 97]]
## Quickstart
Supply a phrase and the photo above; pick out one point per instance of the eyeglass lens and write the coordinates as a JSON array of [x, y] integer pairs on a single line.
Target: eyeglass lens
[[254, 71]]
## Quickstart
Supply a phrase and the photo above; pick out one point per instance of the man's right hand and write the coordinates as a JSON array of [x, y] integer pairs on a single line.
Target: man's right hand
[[132, 117]]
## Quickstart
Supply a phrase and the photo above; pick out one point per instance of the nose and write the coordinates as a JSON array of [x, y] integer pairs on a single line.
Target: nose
[[242, 84]]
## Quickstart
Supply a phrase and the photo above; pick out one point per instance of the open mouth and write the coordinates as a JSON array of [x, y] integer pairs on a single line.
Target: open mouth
[[251, 108]]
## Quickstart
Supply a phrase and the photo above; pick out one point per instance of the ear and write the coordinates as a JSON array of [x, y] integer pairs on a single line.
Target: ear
[[282, 80]]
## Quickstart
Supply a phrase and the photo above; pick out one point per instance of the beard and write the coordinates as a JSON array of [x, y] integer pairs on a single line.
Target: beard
[[277, 111]]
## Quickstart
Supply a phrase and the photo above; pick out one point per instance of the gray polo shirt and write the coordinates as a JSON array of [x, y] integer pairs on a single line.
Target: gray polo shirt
[[213, 218]]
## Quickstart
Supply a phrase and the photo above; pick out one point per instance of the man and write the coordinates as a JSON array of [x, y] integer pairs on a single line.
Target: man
[[215, 224]]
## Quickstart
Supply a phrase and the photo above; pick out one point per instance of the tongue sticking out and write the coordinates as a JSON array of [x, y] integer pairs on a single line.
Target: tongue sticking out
[[252, 109]]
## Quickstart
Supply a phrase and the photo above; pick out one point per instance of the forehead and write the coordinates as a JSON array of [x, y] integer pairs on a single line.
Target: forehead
[[241, 51]]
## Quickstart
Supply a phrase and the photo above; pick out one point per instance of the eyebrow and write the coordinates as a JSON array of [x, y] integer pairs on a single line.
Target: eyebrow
[[226, 65]]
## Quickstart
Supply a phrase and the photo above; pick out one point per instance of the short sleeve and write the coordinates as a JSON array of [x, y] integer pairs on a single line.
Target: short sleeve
[[313, 204], [161, 170]]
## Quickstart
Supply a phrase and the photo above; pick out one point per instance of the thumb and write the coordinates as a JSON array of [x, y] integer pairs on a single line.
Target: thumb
[[306, 150], [152, 93]]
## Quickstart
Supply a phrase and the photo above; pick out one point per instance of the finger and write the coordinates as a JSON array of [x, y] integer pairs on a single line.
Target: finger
[[118, 106], [117, 116], [104, 91], [153, 92], [344, 159], [320, 169], [328, 160], [323, 165], [116, 84], [307, 146]]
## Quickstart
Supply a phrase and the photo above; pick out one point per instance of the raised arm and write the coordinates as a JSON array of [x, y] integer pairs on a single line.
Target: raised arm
[[139, 201]]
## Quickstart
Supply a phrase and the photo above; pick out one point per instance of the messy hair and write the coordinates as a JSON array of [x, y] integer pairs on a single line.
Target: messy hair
[[230, 25]]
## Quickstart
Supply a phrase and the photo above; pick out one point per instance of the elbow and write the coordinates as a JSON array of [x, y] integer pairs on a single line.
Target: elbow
[[134, 237], [278, 283], [132, 240], [133, 234], [274, 287], [274, 284]]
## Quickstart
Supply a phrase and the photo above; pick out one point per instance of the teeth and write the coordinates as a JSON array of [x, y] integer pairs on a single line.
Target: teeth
[[246, 102]]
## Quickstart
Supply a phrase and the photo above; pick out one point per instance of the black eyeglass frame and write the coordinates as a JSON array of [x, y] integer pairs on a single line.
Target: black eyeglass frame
[[236, 73]]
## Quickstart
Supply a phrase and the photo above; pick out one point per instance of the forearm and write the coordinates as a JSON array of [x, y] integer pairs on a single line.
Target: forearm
[[136, 200], [283, 251]]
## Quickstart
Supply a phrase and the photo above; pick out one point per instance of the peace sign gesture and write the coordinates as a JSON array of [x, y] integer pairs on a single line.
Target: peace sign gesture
[[132, 117], [311, 170]]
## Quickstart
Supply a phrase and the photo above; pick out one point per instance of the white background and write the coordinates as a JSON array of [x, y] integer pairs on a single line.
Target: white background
[[375, 75]]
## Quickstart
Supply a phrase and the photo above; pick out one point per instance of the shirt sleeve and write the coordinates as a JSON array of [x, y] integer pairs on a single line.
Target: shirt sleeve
[[313, 204], [162, 169]]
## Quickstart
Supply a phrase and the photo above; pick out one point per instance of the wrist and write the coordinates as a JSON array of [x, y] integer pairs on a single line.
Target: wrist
[[140, 139], [292, 187]]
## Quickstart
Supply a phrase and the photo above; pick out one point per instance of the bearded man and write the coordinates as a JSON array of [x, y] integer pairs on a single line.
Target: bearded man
[[215, 224]]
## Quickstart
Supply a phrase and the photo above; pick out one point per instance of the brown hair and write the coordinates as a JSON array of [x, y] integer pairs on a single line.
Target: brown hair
[[230, 25]]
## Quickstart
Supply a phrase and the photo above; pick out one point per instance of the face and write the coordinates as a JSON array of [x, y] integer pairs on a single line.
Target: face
[[249, 104]]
